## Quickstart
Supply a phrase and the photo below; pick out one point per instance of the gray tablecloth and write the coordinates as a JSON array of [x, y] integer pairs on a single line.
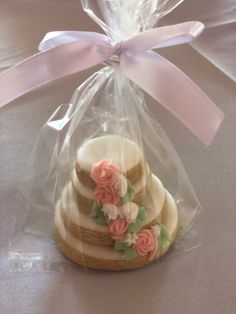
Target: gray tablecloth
[[202, 280]]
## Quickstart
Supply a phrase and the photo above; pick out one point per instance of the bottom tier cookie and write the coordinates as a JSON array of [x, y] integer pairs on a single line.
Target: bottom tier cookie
[[106, 258]]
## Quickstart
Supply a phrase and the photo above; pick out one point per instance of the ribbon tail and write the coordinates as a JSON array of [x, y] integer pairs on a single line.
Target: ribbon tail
[[175, 91], [50, 65]]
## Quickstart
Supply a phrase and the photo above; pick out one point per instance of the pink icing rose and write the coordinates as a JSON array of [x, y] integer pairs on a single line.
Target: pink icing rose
[[104, 173], [146, 243], [107, 195], [117, 228]]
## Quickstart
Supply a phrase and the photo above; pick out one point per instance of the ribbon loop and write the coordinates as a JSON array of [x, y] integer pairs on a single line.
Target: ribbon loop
[[56, 39], [163, 37], [52, 64], [67, 52]]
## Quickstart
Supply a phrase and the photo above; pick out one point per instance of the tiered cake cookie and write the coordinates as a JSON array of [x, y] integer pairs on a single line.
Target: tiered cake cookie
[[114, 214]]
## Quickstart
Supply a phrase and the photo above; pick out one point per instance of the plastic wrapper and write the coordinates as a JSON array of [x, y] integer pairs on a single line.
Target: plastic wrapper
[[105, 185]]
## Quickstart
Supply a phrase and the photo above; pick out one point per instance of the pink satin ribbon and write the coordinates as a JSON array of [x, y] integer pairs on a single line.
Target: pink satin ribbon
[[67, 52]]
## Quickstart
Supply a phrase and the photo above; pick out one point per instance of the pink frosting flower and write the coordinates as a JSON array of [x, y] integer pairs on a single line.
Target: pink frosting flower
[[117, 228], [146, 243], [107, 195], [104, 173]]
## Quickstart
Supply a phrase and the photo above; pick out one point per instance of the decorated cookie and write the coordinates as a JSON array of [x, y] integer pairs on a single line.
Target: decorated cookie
[[114, 214]]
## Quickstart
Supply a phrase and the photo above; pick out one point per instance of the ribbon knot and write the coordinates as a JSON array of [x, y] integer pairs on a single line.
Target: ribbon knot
[[118, 48], [59, 53], [114, 59]]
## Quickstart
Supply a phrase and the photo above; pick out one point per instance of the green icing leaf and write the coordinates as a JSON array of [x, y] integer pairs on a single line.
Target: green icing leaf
[[99, 216], [95, 210], [124, 199], [142, 216], [138, 224], [164, 238], [135, 226], [130, 188], [130, 253], [101, 219], [119, 245]]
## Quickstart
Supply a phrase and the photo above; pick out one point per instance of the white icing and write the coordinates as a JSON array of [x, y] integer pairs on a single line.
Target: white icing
[[171, 215], [156, 230], [103, 252], [116, 149], [122, 185], [111, 211], [69, 205], [129, 211], [130, 238], [155, 198]]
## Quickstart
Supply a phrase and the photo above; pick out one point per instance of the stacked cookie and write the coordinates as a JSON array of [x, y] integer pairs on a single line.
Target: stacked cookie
[[114, 213]]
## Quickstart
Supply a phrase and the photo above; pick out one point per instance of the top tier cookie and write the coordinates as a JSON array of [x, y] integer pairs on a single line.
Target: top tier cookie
[[119, 151]]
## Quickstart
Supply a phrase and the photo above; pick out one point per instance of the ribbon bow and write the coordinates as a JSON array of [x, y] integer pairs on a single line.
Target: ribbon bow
[[67, 52]]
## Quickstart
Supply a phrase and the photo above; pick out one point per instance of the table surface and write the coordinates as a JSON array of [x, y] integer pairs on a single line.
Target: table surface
[[202, 280]]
